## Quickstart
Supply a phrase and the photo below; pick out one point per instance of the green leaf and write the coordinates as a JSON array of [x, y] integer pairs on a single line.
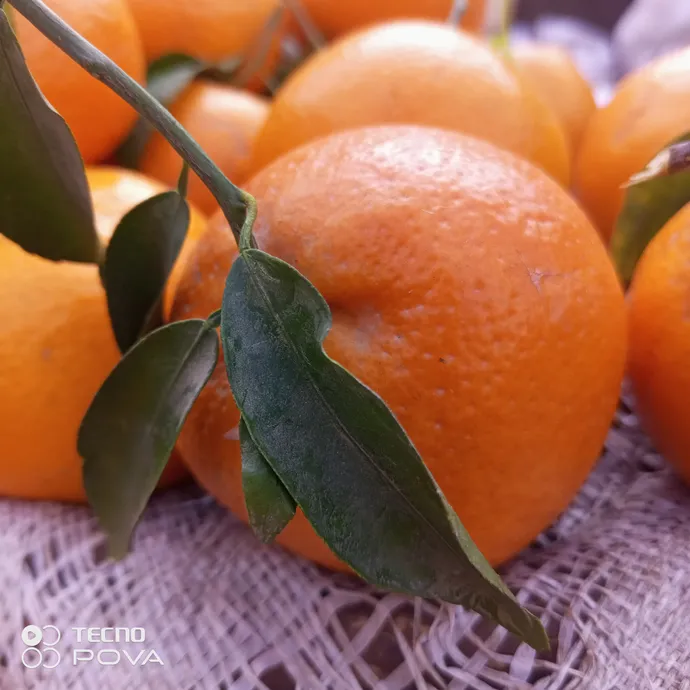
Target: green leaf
[[649, 204], [269, 504], [45, 205], [130, 429], [340, 452], [170, 75], [138, 261]]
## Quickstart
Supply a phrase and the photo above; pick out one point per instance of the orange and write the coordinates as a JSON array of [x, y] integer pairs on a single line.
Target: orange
[[467, 288], [413, 72], [650, 108], [210, 30], [99, 119], [334, 17], [57, 350], [224, 121], [659, 303], [116, 191], [553, 74]]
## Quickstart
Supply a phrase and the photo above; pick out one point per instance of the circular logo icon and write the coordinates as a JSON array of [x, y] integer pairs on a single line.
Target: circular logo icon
[[32, 657], [32, 635], [51, 639]]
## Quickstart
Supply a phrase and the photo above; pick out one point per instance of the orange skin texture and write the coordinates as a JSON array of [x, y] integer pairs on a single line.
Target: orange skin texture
[[650, 108], [413, 72], [334, 17], [211, 30], [467, 288], [98, 118], [659, 336], [224, 121], [551, 72], [57, 351]]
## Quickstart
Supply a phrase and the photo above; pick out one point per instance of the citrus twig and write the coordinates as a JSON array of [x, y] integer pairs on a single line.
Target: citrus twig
[[502, 40], [311, 31], [232, 200], [457, 12], [257, 56]]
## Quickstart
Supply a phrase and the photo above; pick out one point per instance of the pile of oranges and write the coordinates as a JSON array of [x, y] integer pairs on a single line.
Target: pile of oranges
[[452, 202]]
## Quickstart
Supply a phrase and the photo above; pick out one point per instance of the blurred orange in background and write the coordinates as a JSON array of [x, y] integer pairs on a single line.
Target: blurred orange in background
[[337, 17], [98, 118], [413, 72]]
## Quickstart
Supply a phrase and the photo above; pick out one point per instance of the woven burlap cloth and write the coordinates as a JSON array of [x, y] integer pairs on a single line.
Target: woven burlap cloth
[[610, 580]]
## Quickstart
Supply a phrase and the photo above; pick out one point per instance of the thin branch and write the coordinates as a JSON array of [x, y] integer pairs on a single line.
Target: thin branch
[[457, 12], [232, 200], [311, 31]]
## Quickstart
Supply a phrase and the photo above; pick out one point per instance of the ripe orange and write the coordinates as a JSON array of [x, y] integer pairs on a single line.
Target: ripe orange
[[413, 72], [57, 350], [552, 73], [335, 18], [99, 119], [467, 288], [211, 30], [659, 303], [650, 108], [224, 121]]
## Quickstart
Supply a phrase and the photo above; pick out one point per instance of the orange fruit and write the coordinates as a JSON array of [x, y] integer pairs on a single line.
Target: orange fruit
[[115, 191], [659, 336], [650, 108], [334, 18], [224, 121], [99, 118], [552, 73], [413, 72], [57, 350], [467, 288], [210, 30]]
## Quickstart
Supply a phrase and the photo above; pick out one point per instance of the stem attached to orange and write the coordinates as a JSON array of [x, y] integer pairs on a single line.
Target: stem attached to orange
[[232, 200]]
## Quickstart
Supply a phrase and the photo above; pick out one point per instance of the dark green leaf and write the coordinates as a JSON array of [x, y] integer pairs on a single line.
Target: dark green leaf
[[269, 504], [138, 261], [340, 452], [130, 429], [648, 206], [45, 205]]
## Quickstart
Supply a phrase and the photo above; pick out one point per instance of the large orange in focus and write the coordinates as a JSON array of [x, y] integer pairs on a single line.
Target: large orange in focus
[[224, 121], [650, 108], [659, 302], [334, 17], [467, 288], [413, 72], [99, 118], [210, 30], [553, 74], [57, 350]]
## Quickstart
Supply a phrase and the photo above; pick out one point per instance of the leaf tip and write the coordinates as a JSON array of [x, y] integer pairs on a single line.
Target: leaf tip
[[118, 547], [659, 166]]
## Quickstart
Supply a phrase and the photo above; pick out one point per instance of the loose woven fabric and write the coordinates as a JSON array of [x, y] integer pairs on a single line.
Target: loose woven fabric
[[610, 581]]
